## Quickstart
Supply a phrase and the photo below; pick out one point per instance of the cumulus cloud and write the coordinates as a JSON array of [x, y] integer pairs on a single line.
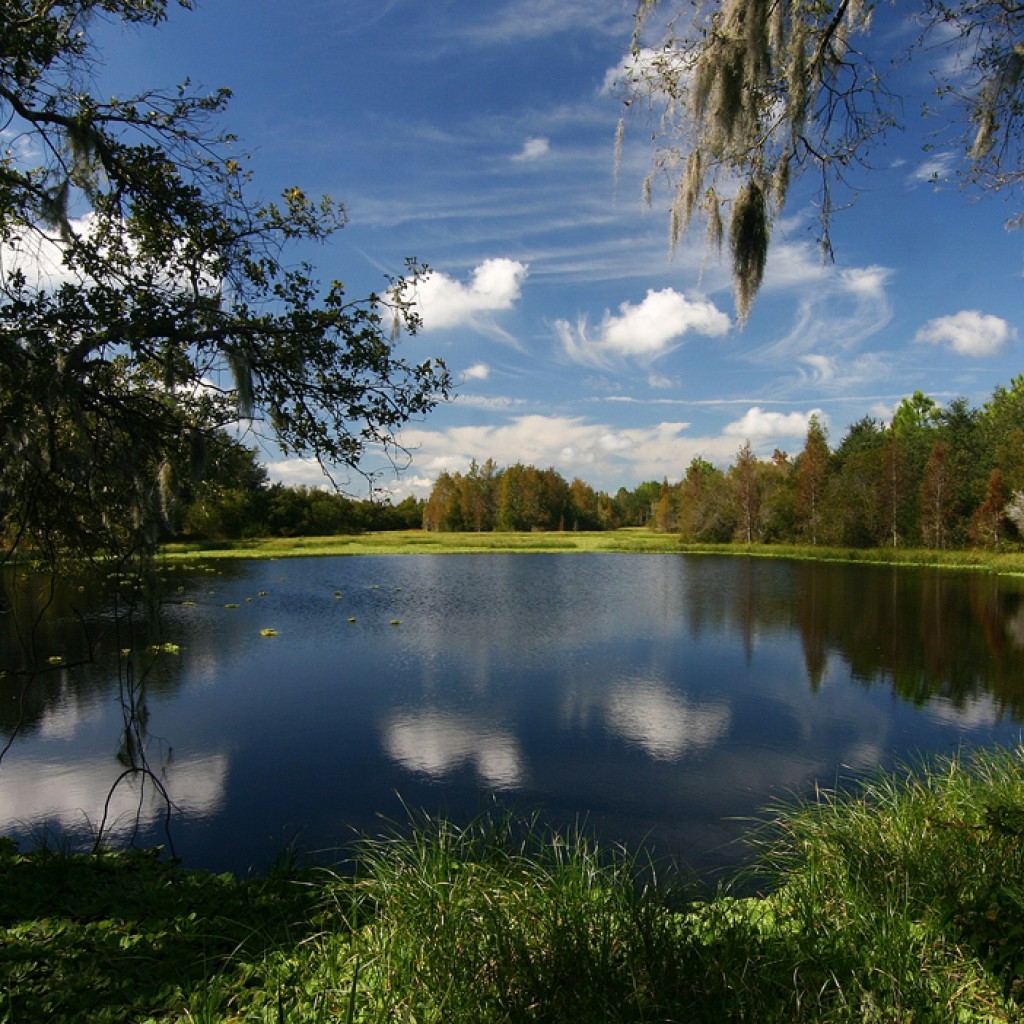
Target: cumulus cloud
[[968, 333], [41, 258], [442, 301], [643, 331], [478, 371], [757, 424], [604, 455], [296, 472], [533, 149], [641, 74]]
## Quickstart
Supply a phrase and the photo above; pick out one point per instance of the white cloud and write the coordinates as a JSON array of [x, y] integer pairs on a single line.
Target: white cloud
[[606, 456], [933, 170], [642, 74], [838, 309], [643, 331], [442, 301], [41, 258], [533, 149], [968, 333], [757, 423], [478, 371], [519, 20]]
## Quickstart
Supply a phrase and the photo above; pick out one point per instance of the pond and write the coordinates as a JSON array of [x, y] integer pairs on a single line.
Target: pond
[[660, 700]]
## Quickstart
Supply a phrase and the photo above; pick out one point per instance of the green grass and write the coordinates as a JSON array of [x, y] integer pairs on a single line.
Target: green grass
[[421, 542], [633, 540], [901, 900]]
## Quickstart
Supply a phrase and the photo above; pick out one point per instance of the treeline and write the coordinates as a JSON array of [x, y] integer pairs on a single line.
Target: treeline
[[936, 476], [236, 500], [526, 498]]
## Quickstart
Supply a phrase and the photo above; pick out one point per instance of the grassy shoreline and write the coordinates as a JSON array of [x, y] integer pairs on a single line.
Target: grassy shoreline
[[902, 900], [631, 541]]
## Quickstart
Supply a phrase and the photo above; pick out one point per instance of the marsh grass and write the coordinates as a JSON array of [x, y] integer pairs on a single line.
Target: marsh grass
[[900, 899], [631, 540], [418, 541], [505, 921]]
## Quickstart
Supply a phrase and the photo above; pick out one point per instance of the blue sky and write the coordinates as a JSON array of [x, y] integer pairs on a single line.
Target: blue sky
[[480, 139]]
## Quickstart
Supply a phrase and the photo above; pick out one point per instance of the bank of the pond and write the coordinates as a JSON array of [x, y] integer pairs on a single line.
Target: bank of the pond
[[903, 900], [399, 542], [632, 540]]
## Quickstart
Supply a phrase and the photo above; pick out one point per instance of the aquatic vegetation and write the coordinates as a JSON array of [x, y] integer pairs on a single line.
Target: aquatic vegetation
[[897, 900]]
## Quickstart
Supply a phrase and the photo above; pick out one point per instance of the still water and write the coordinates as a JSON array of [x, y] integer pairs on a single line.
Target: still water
[[660, 699]]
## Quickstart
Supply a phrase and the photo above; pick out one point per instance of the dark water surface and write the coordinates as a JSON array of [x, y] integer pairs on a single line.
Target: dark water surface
[[659, 697]]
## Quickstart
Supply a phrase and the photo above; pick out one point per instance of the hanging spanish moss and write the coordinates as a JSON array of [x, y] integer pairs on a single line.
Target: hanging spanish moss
[[753, 93], [749, 236], [241, 372]]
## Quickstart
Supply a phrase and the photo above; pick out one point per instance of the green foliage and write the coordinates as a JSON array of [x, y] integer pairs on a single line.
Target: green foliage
[[168, 310], [130, 938], [896, 898], [515, 498]]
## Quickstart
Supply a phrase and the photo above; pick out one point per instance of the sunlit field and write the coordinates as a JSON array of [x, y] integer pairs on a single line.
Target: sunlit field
[[633, 540]]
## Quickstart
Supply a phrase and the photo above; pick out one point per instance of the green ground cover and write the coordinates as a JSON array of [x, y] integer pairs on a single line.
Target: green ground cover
[[900, 900], [630, 540]]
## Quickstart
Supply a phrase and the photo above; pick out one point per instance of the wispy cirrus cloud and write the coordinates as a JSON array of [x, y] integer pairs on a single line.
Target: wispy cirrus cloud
[[838, 307], [521, 20]]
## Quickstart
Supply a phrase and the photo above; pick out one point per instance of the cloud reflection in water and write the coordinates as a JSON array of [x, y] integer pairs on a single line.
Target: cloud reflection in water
[[438, 744], [665, 724]]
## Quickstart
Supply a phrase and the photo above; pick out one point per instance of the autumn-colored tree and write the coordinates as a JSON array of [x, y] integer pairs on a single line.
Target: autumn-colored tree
[[443, 509], [989, 520], [583, 505], [666, 511], [479, 496], [894, 492], [937, 493], [812, 470], [747, 488]]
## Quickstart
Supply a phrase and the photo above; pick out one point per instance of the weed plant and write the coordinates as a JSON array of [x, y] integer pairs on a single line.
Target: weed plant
[[898, 900]]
